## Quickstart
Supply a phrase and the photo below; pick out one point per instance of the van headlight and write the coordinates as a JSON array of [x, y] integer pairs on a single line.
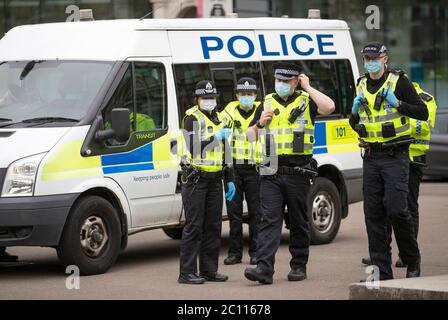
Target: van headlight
[[20, 178]]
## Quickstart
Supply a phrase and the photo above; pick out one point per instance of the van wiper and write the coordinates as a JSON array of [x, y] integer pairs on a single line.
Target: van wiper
[[50, 119], [5, 119], [29, 66]]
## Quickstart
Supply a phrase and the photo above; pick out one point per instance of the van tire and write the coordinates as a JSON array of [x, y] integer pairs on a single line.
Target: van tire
[[84, 242], [324, 211], [174, 233]]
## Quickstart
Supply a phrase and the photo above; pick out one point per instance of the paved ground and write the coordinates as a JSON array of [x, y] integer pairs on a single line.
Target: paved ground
[[149, 267]]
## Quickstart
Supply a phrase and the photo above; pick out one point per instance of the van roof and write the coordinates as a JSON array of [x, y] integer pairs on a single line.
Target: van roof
[[119, 39]]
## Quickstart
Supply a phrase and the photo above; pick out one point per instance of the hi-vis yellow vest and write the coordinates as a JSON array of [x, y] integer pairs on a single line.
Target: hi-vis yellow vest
[[212, 158], [281, 132], [242, 149], [421, 130], [374, 120]]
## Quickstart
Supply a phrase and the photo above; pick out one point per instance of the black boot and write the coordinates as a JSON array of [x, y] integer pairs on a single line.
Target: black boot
[[253, 261], [297, 274], [413, 271], [400, 264], [6, 257], [367, 261], [256, 274], [232, 260], [190, 278], [214, 276]]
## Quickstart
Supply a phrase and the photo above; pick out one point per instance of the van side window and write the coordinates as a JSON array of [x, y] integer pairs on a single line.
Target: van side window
[[123, 97], [143, 91], [187, 75], [346, 85], [151, 96], [322, 74]]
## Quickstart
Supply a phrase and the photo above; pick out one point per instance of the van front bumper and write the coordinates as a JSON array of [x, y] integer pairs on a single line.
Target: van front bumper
[[34, 221]]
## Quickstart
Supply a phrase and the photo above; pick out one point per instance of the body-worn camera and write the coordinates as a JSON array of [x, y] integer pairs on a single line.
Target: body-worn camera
[[388, 130], [298, 142], [379, 99], [295, 113]]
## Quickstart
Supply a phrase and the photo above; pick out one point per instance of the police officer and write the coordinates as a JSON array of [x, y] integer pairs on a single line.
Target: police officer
[[385, 102], [204, 171], [6, 257], [240, 113], [285, 129], [421, 131]]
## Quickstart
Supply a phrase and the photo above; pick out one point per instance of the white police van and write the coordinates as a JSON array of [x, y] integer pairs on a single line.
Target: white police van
[[90, 115]]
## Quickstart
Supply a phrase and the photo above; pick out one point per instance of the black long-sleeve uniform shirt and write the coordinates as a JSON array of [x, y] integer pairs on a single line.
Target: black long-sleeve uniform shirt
[[289, 160], [411, 104], [194, 138]]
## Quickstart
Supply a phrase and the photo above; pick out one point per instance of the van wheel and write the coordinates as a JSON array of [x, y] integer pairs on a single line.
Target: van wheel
[[174, 233], [92, 236], [324, 211]]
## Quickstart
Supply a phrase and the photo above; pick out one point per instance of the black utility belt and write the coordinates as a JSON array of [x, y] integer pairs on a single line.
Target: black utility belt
[[386, 147], [419, 161], [210, 175], [245, 166], [291, 171]]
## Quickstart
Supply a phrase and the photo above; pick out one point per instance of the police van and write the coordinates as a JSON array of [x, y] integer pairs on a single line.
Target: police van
[[90, 114]]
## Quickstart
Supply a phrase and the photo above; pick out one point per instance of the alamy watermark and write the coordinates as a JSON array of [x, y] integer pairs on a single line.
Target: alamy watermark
[[73, 281], [373, 20]]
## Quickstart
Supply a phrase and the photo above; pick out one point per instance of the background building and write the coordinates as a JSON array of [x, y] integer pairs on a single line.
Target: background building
[[416, 31]]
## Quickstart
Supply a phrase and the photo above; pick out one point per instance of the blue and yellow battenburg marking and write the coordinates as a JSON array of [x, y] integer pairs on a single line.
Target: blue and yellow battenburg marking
[[67, 163], [137, 160], [334, 136]]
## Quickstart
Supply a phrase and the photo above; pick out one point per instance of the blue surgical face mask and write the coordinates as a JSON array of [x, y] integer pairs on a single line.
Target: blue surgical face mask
[[246, 102], [373, 66], [283, 89]]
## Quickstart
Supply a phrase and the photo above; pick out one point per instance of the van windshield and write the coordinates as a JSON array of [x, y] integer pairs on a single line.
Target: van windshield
[[48, 93]]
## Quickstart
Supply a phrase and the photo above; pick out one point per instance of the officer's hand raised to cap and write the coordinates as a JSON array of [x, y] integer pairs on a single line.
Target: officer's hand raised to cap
[[304, 82]]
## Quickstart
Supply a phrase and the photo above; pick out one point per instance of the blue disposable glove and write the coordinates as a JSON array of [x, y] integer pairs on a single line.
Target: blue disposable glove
[[357, 103], [390, 97], [223, 133], [231, 190]]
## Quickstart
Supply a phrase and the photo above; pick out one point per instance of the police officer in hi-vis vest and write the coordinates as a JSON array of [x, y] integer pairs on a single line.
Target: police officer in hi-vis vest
[[381, 115], [240, 114], [284, 125], [421, 132], [203, 172]]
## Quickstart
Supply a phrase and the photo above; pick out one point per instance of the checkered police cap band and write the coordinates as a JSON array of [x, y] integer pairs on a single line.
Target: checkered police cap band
[[246, 86], [286, 73], [203, 92]]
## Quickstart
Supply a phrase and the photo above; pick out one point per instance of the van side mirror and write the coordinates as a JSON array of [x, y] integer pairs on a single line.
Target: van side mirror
[[120, 126]]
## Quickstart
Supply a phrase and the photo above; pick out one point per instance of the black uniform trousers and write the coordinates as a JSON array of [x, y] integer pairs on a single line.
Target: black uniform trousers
[[201, 236], [275, 192], [415, 177], [247, 183], [385, 189]]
